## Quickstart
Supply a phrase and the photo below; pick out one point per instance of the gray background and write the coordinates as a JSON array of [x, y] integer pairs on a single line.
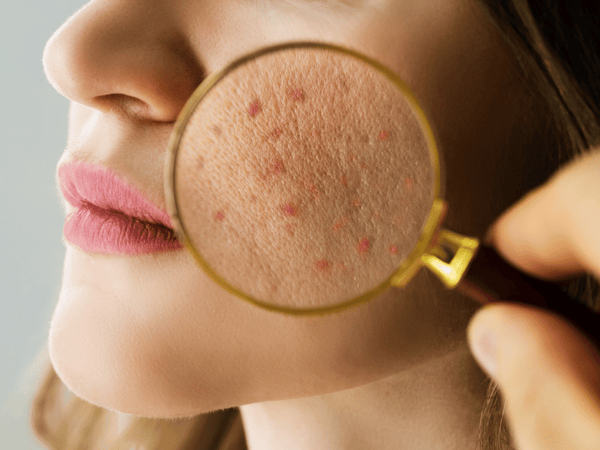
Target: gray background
[[33, 134]]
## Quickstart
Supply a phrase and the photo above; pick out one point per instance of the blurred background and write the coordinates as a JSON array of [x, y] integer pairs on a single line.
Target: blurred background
[[33, 134]]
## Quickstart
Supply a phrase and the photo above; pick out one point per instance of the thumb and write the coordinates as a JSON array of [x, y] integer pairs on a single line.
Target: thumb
[[548, 374]]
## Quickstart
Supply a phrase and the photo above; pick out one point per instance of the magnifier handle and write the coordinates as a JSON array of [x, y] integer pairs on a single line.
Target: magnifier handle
[[489, 278]]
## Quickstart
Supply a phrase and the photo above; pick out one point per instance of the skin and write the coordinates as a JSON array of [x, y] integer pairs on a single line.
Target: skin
[[154, 336]]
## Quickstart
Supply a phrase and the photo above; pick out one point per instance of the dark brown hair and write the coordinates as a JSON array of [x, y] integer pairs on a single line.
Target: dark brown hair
[[556, 44], [556, 47]]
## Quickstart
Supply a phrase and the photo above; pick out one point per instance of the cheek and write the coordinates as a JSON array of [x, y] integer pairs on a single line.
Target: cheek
[[301, 169]]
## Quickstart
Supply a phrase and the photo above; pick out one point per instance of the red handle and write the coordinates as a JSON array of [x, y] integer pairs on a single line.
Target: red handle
[[489, 278]]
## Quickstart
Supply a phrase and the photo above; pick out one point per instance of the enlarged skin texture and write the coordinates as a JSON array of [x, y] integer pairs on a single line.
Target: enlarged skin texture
[[153, 335], [304, 178]]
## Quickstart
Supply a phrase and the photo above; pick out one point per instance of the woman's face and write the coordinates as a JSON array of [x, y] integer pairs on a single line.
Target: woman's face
[[152, 335]]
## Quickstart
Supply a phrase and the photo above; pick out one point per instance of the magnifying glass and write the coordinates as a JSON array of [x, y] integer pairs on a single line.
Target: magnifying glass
[[305, 179]]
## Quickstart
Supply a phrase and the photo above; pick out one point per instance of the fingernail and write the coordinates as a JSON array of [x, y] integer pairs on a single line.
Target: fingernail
[[484, 346]]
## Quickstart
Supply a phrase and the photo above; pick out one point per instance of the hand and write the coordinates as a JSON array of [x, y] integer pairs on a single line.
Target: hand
[[548, 372]]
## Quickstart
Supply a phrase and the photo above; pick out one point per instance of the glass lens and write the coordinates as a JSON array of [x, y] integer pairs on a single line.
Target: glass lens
[[302, 176]]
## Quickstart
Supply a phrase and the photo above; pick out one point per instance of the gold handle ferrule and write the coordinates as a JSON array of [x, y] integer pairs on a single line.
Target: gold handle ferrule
[[459, 250]]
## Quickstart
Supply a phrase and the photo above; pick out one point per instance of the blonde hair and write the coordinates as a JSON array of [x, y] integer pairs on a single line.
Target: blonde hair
[[557, 57]]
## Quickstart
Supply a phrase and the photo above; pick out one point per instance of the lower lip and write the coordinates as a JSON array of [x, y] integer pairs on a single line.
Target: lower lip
[[97, 230]]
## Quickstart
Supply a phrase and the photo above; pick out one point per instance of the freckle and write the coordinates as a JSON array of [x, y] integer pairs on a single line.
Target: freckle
[[343, 267], [383, 135], [219, 216], [289, 210], [200, 162], [276, 132], [315, 133], [398, 220], [377, 215], [363, 165], [322, 264], [363, 245], [339, 224], [217, 130], [356, 202], [393, 249], [408, 182], [352, 157], [297, 94], [254, 108], [344, 180], [253, 199]]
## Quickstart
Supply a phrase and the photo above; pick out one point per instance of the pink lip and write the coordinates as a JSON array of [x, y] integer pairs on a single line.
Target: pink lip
[[111, 216]]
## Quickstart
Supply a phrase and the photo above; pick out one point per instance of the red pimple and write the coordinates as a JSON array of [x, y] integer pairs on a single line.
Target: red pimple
[[393, 249], [277, 166], [312, 188], [322, 264], [315, 133], [297, 94], [289, 210], [377, 215], [398, 220], [363, 165], [383, 135], [363, 245], [276, 132], [219, 215], [352, 157], [254, 108], [339, 224], [408, 181], [356, 202]]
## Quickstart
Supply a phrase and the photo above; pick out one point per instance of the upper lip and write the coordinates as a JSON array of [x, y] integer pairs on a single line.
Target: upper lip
[[83, 183]]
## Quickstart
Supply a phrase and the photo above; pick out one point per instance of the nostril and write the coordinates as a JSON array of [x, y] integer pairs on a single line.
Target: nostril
[[125, 107], [128, 79]]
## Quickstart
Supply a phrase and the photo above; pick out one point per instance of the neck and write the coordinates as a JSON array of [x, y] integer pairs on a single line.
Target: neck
[[434, 405]]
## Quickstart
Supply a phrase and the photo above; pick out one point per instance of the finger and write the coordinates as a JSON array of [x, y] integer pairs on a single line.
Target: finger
[[549, 376], [554, 232]]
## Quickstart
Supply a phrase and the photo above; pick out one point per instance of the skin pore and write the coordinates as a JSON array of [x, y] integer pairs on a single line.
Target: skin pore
[[153, 335]]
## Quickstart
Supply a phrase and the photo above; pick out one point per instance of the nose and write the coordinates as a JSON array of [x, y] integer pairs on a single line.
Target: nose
[[125, 58]]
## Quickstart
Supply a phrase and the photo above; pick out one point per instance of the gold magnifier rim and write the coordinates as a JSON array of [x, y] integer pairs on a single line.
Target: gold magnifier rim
[[410, 265]]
